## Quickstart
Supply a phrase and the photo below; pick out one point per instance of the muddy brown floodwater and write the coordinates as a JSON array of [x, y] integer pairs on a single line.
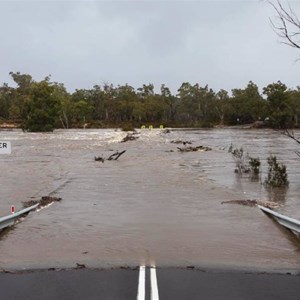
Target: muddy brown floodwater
[[152, 205]]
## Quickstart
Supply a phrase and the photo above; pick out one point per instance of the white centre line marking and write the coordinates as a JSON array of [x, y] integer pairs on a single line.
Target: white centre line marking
[[141, 286], [154, 287]]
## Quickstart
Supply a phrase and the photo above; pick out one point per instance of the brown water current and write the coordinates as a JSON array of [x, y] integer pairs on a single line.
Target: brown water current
[[152, 205]]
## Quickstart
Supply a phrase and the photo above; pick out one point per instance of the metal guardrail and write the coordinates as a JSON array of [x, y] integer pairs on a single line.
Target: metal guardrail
[[289, 223], [11, 219]]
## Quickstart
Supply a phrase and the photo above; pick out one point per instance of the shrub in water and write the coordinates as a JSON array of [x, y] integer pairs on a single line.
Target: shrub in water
[[277, 176], [238, 155], [254, 164]]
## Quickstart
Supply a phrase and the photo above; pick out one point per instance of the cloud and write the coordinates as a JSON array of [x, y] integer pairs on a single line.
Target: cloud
[[221, 43]]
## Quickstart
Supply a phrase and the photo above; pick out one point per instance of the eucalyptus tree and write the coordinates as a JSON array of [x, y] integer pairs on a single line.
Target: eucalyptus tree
[[20, 95], [80, 106], [222, 102], [109, 101], [153, 106], [97, 100], [197, 104], [278, 102], [42, 108], [145, 96], [6, 102], [247, 105], [63, 97], [124, 102], [171, 102], [294, 105]]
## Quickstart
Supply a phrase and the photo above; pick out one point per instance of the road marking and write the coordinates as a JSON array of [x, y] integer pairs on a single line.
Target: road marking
[[154, 288], [141, 286]]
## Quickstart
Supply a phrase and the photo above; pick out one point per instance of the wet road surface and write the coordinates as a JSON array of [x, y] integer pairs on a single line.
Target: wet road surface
[[166, 284]]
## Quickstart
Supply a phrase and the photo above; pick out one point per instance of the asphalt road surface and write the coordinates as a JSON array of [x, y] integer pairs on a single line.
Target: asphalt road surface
[[148, 283]]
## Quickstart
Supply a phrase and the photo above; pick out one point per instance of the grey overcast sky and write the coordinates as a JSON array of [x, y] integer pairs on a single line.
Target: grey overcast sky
[[224, 44]]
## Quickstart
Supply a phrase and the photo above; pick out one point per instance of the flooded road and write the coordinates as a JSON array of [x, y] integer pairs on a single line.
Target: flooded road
[[153, 205]]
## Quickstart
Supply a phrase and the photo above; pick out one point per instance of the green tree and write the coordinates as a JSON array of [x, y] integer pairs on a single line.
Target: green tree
[[42, 109], [278, 101], [6, 100], [97, 102], [82, 111], [222, 102], [294, 106], [125, 97], [63, 97], [198, 104], [172, 104], [144, 94], [246, 105], [20, 95]]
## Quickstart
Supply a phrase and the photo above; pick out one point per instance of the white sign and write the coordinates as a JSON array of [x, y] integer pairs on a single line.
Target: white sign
[[5, 147]]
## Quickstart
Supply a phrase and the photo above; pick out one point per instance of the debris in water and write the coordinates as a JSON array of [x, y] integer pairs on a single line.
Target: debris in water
[[44, 201], [99, 158], [130, 137], [198, 148], [114, 156], [166, 131], [80, 266], [250, 203], [181, 142], [253, 203]]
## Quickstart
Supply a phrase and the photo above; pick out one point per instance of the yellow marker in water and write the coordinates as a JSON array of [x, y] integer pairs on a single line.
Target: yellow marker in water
[[161, 126], [150, 127], [143, 127]]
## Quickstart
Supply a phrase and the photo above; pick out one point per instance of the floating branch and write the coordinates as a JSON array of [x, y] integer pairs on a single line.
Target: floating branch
[[114, 156], [190, 149], [130, 137]]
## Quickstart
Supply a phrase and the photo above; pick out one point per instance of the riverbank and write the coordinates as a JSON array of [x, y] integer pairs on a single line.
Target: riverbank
[[132, 126]]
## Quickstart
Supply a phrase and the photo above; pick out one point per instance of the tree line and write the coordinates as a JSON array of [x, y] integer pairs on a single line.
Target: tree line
[[45, 105]]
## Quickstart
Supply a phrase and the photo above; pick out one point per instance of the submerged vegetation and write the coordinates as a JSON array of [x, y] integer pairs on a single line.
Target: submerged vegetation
[[254, 164], [277, 175], [245, 164], [241, 164], [46, 105]]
